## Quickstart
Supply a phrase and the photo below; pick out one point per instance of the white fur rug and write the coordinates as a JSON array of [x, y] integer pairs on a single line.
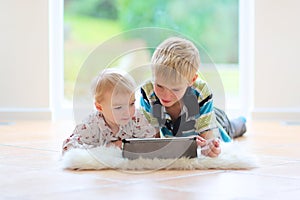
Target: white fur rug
[[233, 156]]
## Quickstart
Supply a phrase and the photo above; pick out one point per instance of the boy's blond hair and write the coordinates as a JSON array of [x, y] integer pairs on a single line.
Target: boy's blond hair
[[112, 80], [176, 59]]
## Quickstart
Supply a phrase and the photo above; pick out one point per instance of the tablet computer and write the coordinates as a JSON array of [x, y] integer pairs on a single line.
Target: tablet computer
[[163, 148]]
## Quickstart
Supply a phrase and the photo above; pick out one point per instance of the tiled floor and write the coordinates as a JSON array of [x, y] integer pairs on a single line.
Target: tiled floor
[[30, 169]]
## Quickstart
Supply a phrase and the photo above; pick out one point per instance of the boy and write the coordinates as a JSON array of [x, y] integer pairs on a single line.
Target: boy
[[181, 104]]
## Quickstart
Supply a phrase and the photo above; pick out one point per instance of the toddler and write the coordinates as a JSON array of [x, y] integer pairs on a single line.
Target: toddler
[[115, 118]]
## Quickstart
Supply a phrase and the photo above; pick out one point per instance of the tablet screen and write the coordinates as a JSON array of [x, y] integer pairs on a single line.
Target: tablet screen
[[163, 148]]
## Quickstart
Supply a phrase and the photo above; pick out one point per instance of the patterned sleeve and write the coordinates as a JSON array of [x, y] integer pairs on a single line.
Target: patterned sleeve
[[84, 136], [206, 120], [142, 128]]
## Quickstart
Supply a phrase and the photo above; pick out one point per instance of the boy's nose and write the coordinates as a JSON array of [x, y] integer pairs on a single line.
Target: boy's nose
[[167, 93]]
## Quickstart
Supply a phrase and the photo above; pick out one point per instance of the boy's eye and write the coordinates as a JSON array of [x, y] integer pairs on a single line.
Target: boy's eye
[[159, 86], [132, 104], [175, 90]]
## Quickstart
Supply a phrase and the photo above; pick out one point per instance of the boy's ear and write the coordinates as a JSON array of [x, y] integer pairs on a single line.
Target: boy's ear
[[194, 79], [98, 106]]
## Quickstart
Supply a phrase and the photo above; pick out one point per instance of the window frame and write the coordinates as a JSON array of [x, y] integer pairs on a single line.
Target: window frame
[[62, 110]]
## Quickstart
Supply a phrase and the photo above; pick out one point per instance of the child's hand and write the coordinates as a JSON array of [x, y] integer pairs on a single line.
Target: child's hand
[[215, 148], [200, 141], [117, 143], [209, 148]]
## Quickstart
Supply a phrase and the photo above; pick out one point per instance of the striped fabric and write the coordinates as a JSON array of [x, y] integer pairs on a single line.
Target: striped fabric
[[204, 120]]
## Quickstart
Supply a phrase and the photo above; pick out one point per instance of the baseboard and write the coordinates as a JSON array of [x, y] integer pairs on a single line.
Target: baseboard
[[8, 114], [282, 114]]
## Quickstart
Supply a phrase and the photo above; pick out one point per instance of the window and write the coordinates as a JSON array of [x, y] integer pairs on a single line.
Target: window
[[89, 23]]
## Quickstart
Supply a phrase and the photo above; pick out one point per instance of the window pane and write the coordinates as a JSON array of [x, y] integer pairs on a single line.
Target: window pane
[[212, 23]]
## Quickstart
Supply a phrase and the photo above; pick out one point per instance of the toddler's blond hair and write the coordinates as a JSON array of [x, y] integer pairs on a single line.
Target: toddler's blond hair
[[176, 59], [112, 80]]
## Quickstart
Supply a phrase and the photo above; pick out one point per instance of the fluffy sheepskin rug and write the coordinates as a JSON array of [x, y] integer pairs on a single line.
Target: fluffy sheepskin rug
[[233, 156]]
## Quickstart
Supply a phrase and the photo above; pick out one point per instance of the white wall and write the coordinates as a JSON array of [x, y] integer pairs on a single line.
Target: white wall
[[24, 60], [277, 62]]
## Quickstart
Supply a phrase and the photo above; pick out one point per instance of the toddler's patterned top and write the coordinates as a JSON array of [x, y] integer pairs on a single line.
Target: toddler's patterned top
[[95, 132]]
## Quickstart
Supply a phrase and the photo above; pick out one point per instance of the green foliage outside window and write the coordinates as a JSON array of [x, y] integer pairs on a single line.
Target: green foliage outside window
[[211, 23]]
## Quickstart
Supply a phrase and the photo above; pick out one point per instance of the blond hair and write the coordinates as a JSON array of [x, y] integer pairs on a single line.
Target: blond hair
[[112, 80], [176, 59]]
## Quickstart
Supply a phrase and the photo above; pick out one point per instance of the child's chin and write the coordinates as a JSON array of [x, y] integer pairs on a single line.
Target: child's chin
[[123, 122], [169, 104]]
